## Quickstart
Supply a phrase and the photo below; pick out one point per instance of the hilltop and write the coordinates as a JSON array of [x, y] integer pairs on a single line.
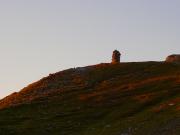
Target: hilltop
[[133, 98]]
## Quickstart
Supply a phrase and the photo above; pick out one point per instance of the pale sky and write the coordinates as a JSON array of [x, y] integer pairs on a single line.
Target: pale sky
[[38, 37]]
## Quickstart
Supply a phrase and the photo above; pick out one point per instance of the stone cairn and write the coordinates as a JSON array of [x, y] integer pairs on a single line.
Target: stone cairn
[[116, 57]]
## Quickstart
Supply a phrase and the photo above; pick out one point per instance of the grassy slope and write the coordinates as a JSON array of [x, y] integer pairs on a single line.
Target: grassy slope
[[124, 99]]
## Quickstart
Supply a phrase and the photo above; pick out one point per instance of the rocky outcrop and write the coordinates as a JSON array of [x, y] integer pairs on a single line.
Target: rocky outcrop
[[173, 58], [116, 57]]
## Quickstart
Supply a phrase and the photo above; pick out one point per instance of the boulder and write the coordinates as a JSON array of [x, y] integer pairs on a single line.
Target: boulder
[[173, 58]]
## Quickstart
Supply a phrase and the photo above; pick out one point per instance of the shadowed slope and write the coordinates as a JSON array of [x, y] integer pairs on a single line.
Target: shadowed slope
[[105, 99]]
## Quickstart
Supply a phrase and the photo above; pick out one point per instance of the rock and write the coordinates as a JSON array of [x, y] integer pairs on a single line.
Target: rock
[[116, 57], [173, 58]]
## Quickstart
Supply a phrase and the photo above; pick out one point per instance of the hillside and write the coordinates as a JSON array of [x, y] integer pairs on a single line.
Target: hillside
[[107, 99]]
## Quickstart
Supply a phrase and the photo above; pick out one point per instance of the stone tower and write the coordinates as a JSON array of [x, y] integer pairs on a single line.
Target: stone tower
[[116, 57]]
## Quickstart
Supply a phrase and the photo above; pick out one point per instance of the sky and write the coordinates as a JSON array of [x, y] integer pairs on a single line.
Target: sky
[[39, 37]]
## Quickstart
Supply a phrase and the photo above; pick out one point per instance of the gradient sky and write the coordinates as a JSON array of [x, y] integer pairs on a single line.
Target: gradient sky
[[38, 37]]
